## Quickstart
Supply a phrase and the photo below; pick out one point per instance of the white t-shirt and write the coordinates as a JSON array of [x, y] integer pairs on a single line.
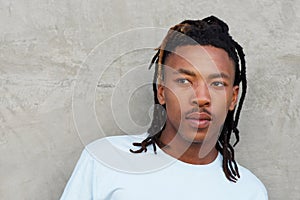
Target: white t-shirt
[[107, 170]]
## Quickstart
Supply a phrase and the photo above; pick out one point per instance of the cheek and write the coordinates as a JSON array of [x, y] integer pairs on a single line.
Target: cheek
[[175, 103], [172, 99], [219, 105], [222, 98], [229, 99], [177, 94]]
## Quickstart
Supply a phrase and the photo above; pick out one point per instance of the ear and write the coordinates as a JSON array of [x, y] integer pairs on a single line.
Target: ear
[[234, 98], [161, 94]]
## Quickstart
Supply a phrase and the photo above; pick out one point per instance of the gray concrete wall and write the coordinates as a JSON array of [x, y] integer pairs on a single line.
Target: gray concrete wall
[[44, 43]]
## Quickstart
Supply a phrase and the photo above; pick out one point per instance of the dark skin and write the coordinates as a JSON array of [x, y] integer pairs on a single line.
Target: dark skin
[[198, 92]]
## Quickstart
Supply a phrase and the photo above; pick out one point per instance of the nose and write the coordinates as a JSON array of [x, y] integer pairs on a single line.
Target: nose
[[201, 95]]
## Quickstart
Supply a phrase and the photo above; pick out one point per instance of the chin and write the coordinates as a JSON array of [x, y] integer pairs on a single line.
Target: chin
[[197, 138]]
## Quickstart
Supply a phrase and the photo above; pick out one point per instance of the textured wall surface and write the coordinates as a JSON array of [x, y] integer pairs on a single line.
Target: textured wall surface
[[44, 45]]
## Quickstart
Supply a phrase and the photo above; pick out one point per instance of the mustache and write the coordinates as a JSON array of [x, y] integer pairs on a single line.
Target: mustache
[[193, 110]]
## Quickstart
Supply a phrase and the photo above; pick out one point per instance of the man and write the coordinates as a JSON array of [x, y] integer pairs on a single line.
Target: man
[[198, 70]]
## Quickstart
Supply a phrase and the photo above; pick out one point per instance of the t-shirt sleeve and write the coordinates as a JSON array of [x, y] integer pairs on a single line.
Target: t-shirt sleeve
[[259, 189], [80, 185], [252, 187], [262, 193]]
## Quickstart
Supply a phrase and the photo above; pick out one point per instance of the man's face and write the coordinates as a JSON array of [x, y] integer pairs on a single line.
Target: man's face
[[198, 92]]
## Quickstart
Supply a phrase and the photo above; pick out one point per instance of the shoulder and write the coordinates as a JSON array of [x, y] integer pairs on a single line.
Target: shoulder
[[252, 184], [97, 165], [110, 148], [121, 142], [114, 153]]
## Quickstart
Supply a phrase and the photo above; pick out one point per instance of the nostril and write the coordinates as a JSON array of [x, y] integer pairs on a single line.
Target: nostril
[[201, 97], [202, 101]]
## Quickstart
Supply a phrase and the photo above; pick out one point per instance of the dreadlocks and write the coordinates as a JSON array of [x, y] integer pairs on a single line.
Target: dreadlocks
[[208, 31]]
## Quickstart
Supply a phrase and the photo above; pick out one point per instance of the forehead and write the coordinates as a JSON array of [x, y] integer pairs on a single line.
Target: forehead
[[202, 60]]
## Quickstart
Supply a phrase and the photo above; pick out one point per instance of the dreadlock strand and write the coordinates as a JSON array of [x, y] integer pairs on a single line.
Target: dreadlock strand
[[154, 60], [243, 79], [227, 160], [236, 170], [237, 135]]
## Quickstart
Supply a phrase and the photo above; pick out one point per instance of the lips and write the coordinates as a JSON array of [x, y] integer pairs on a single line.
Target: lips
[[199, 120]]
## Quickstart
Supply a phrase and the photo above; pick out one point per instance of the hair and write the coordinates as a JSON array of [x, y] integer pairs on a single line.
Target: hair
[[208, 31]]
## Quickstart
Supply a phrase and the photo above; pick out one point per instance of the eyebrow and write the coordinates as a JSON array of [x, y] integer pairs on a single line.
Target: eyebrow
[[218, 75], [211, 76], [184, 71]]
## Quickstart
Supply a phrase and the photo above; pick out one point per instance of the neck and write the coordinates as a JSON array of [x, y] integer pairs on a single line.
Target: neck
[[198, 153]]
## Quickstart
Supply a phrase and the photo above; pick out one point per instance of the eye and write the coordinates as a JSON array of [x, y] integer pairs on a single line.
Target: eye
[[183, 81], [218, 84]]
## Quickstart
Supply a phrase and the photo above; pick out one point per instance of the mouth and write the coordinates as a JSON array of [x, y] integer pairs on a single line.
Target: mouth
[[200, 120]]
